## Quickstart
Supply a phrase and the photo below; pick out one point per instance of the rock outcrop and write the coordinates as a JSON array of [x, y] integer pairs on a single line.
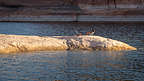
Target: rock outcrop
[[20, 43]]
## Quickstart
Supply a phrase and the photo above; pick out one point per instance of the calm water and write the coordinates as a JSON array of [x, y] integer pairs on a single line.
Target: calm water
[[75, 65]]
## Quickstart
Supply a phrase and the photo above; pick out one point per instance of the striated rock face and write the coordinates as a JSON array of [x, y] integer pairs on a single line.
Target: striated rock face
[[35, 3], [72, 10], [112, 3], [19, 43], [96, 3]]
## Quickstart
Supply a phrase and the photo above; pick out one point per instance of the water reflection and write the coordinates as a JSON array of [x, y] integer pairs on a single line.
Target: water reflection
[[73, 66], [92, 65]]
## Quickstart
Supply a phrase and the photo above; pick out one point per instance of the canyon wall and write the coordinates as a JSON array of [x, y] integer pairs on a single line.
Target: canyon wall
[[72, 10], [97, 3]]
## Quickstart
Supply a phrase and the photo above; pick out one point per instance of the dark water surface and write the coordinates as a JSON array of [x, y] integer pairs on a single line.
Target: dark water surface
[[75, 65]]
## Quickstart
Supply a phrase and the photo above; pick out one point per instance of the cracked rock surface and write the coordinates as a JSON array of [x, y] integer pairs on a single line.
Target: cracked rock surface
[[21, 43]]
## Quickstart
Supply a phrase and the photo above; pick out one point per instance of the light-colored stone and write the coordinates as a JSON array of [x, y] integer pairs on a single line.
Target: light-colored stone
[[20, 43]]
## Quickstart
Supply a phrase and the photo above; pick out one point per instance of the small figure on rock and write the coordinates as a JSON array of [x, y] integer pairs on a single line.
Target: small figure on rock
[[91, 32]]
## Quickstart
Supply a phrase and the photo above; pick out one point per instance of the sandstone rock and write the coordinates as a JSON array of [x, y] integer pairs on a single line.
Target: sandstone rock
[[20, 43], [95, 43], [14, 43]]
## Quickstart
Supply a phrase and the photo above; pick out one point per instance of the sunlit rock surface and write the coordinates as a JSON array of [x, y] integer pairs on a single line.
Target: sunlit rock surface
[[20, 43]]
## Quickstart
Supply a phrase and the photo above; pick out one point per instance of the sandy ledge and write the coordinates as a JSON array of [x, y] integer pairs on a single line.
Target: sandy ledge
[[21, 43]]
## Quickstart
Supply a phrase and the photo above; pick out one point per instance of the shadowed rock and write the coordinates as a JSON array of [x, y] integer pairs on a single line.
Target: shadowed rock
[[20, 43]]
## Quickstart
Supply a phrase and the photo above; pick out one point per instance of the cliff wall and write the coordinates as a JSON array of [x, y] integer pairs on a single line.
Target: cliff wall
[[98, 3], [72, 10], [114, 3]]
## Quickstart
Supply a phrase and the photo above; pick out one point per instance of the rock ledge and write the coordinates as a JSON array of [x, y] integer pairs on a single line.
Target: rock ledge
[[20, 43]]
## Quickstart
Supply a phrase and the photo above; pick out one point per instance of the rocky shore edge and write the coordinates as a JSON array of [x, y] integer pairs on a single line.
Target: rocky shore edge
[[21, 43]]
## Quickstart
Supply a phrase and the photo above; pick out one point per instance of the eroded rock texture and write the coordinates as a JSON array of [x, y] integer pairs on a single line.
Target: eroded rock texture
[[19, 43]]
